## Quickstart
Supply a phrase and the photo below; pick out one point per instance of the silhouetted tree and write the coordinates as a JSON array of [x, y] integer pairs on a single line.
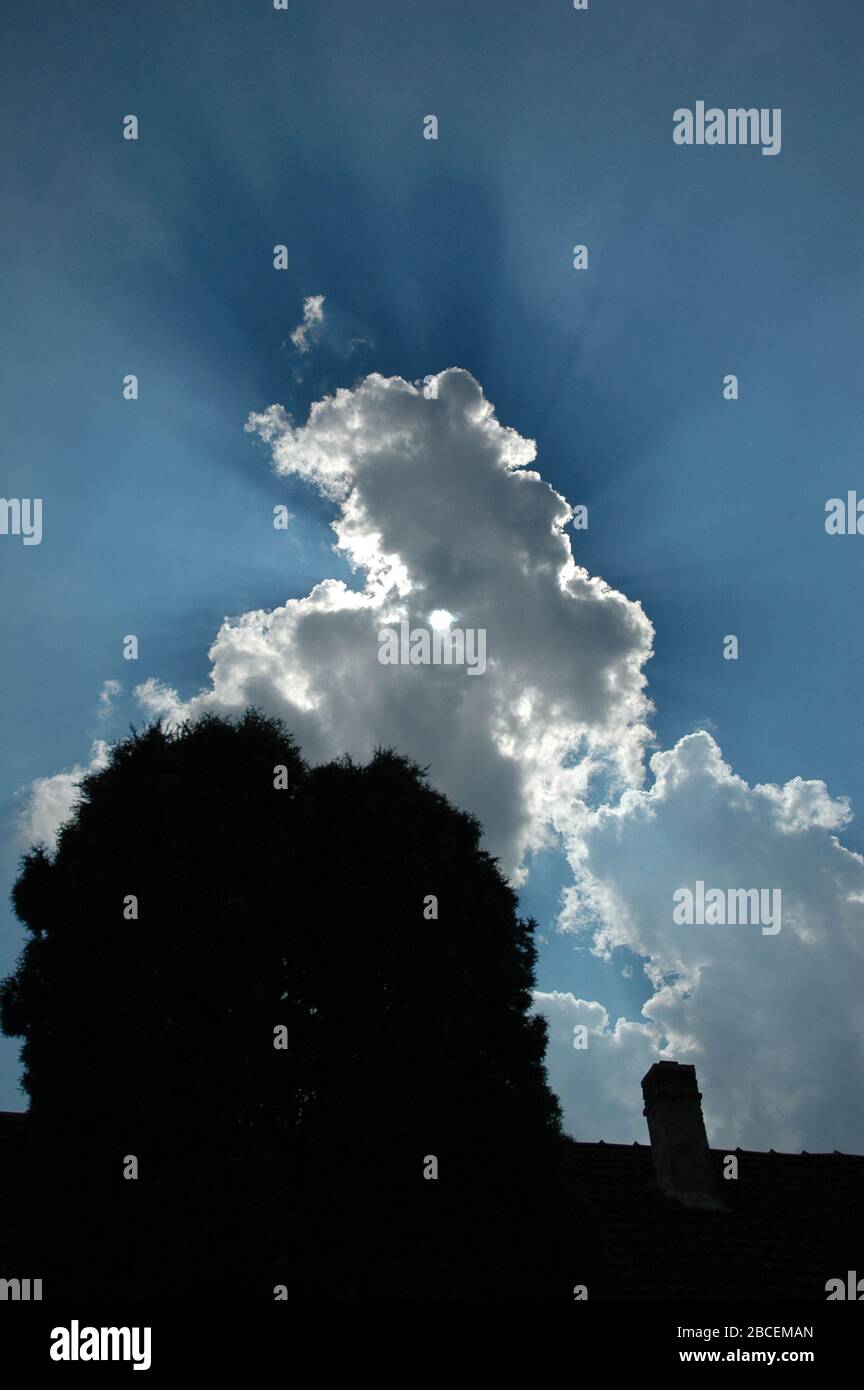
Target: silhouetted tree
[[408, 1037]]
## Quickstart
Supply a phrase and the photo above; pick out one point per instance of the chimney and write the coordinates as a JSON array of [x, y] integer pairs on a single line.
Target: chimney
[[679, 1144]]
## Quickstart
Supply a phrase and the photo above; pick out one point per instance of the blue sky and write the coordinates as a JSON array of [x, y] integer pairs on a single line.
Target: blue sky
[[305, 127]]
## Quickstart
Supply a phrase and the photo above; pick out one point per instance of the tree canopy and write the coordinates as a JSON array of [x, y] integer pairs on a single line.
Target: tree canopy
[[282, 994]]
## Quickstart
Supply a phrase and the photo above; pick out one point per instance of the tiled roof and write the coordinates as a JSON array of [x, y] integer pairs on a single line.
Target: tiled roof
[[792, 1222]]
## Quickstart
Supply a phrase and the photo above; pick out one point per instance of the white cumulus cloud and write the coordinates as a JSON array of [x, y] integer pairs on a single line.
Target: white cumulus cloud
[[438, 509], [107, 695], [773, 1023], [313, 314], [50, 801], [598, 1084]]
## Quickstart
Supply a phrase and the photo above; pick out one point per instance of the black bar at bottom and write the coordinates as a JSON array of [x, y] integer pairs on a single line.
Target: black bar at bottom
[[234, 1337]]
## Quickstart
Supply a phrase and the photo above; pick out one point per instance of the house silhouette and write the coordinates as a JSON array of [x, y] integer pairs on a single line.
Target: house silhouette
[[675, 1228]]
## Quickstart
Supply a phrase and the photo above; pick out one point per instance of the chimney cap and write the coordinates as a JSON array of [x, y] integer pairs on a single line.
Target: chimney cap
[[669, 1081]]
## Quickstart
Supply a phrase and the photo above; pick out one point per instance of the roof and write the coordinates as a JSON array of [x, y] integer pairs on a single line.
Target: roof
[[792, 1222]]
